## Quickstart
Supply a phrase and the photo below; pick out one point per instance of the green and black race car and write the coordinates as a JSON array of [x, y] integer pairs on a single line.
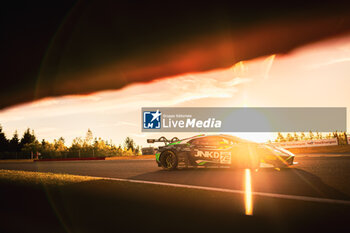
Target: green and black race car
[[219, 150]]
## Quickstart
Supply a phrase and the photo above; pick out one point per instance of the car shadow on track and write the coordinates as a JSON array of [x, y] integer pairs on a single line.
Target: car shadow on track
[[291, 181], [115, 206]]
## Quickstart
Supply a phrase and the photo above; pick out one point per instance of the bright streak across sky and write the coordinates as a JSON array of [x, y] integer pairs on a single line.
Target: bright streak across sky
[[316, 75]]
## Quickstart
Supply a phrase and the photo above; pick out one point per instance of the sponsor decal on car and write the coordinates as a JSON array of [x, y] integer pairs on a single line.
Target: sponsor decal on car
[[223, 156]]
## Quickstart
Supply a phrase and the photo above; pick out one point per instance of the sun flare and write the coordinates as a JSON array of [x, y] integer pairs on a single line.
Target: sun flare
[[248, 198]]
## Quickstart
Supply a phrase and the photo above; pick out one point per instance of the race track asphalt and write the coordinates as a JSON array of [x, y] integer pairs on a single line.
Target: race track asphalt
[[312, 196], [326, 176]]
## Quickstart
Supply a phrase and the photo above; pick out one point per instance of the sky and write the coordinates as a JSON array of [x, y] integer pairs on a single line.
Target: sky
[[316, 75]]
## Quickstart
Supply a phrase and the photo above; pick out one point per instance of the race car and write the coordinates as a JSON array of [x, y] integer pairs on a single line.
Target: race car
[[219, 150]]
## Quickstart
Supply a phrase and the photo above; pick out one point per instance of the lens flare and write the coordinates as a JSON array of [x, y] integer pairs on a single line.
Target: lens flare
[[268, 64], [248, 198]]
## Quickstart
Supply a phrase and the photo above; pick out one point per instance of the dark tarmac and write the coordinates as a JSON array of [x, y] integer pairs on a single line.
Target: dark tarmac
[[280, 198]]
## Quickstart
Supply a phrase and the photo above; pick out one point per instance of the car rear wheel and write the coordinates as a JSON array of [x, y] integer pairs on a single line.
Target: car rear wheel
[[168, 160]]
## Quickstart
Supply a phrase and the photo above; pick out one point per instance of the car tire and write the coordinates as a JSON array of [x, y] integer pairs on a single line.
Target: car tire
[[281, 166], [168, 160]]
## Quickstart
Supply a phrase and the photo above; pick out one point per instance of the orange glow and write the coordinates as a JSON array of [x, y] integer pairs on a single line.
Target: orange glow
[[268, 64], [248, 198], [262, 82]]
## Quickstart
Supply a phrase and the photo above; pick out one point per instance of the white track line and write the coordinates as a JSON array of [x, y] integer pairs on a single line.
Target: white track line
[[275, 195]]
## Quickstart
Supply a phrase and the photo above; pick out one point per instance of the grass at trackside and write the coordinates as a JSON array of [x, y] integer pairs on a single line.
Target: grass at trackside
[[41, 177], [131, 157], [16, 160], [136, 157]]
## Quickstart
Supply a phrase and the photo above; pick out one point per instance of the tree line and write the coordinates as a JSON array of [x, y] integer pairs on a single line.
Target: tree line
[[28, 146], [292, 137]]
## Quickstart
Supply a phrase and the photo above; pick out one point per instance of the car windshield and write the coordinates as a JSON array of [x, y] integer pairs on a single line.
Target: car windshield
[[211, 141]]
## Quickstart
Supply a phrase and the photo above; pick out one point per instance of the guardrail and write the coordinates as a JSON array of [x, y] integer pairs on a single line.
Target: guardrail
[[307, 143]]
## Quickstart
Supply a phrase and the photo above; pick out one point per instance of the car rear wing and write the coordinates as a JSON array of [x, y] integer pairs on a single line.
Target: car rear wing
[[163, 139]]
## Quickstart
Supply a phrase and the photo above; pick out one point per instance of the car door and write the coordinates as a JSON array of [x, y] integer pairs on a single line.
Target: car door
[[211, 150]]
